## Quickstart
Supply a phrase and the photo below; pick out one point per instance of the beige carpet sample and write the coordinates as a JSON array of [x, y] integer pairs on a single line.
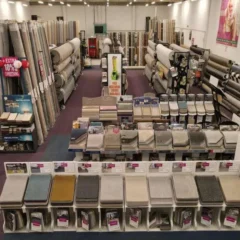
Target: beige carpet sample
[[146, 139]]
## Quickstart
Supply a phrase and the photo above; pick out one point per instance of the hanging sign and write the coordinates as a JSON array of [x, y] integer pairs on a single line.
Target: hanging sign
[[115, 74], [8, 68]]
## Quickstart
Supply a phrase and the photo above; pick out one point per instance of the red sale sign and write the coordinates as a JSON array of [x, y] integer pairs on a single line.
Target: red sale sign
[[8, 69]]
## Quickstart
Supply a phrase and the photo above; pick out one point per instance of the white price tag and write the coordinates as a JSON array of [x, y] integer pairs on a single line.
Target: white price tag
[[50, 80], [230, 222], [187, 223], [40, 167], [36, 226], [53, 77], [138, 167], [112, 167], [88, 167], [41, 86], [134, 221], [113, 225], [85, 224], [45, 83], [214, 81], [62, 222], [205, 220], [209, 166], [67, 167], [233, 166]]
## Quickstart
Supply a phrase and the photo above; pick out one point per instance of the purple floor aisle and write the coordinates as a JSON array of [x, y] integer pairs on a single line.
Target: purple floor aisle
[[137, 83]]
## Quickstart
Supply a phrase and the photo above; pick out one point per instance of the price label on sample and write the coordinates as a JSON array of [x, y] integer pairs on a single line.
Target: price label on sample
[[112, 167], [209, 166], [85, 222], [8, 68], [62, 222], [16, 168], [89, 167], [182, 167], [206, 221], [230, 222], [36, 226], [40, 167], [136, 167], [134, 221], [113, 225], [160, 167], [229, 166], [67, 167], [187, 223]]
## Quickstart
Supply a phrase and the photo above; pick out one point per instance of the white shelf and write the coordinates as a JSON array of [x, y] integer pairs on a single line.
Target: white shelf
[[141, 228]]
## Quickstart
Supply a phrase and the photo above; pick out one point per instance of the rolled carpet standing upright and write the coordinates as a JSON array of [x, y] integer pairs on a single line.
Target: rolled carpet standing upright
[[19, 52]]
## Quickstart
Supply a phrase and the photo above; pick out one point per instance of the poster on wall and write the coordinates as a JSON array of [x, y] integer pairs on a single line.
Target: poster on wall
[[114, 61], [228, 29]]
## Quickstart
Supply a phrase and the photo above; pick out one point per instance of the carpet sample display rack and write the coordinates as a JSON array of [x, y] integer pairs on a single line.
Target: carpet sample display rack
[[67, 68], [150, 59], [29, 41], [109, 198], [59, 32]]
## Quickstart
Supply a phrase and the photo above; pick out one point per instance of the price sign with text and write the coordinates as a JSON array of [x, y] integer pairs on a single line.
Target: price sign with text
[[8, 69]]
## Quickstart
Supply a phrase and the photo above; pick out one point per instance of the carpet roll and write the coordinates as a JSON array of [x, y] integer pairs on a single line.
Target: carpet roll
[[216, 73], [148, 73], [236, 68], [232, 91], [164, 55], [218, 67], [62, 65], [220, 60], [230, 106], [59, 80], [65, 92], [68, 71], [150, 61], [75, 42], [232, 100], [152, 45], [177, 48], [151, 52], [61, 53], [197, 50], [234, 85], [161, 81], [77, 73], [162, 69]]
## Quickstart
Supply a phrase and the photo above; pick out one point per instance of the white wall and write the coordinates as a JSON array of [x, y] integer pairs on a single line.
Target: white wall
[[219, 49], [192, 16], [116, 17], [14, 11]]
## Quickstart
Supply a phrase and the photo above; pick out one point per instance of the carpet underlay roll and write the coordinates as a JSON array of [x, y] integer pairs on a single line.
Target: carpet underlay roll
[[230, 106], [75, 42], [65, 92], [219, 67], [216, 73], [61, 53], [150, 61], [232, 91], [62, 65], [220, 60], [232, 100], [197, 50], [151, 52], [234, 85], [164, 55], [177, 48], [152, 45]]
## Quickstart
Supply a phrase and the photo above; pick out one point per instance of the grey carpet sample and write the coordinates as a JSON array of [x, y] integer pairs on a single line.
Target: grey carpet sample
[[209, 190], [129, 139], [79, 137], [230, 187], [163, 140], [197, 140], [146, 139], [87, 190], [182, 105], [230, 139], [160, 190], [214, 139], [136, 191], [95, 141], [164, 108], [111, 192], [180, 139], [185, 188], [209, 107], [38, 189], [14, 190]]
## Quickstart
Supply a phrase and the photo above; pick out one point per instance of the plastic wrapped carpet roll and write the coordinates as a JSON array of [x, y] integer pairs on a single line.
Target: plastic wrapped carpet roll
[[61, 53], [75, 44], [66, 91], [77, 73], [220, 60], [151, 52], [148, 73], [19, 51], [197, 50], [234, 85], [162, 68], [32, 68], [62, 65], [230, 106], [218, 66], [152, 45], [232, 91], [216, 73], [177, 48], [164, 55], [59, 80], [77, 64], [150, 61], [232, 100], [68, 71]]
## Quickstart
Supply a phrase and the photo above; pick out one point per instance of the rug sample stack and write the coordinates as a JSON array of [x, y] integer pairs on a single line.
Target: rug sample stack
[[112, 139], [197, 140], [111, 193], [136, 188], [180, 139], [150, 60], [78, 138], [87, 191], [38, 190], [60, 182], [146, 139], [160, 190], [13, 191], [66, 60], [230, 139], [163, 140], [91, 108], [230, 188], [185, 189], [129, 140], [210, 192], [125, 109], [214, 139], [108, 108]]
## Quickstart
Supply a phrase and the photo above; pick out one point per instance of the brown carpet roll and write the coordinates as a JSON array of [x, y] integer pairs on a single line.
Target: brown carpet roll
[[218, 67], [220, 60]]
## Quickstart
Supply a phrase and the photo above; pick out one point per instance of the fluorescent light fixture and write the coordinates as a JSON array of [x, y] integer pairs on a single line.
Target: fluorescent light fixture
[[88, 5], [40, 2], [130, 3], [153, 2], [69, 5], [85, 3], [127, 5], [178, 2], [53, 0], [146, 5], [62, 3], [25, 5], [169, 5], [12, 2], [134, 0], [80, 0], [50, 5], [193, 0]]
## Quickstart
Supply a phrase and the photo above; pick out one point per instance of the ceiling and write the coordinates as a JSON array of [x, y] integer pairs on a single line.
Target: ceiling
[[103, 2]]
